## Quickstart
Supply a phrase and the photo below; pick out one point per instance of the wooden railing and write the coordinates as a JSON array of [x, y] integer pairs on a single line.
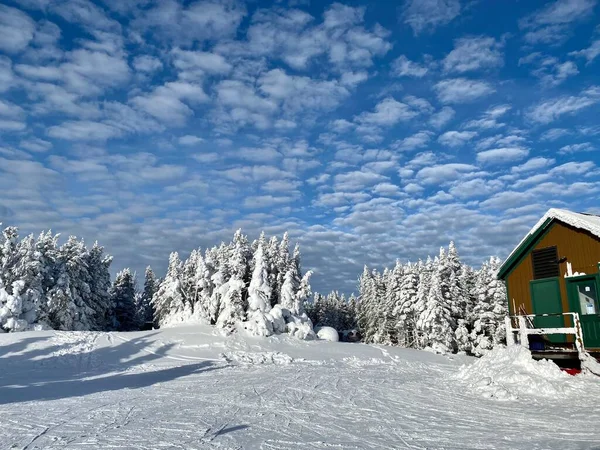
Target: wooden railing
[[523, 330]]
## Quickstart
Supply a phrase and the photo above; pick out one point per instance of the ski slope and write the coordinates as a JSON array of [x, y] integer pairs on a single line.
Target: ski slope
[[192, 388]]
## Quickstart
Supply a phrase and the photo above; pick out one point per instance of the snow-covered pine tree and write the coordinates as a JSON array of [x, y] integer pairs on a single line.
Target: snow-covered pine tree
[[26, 287], [168, 300], [287, 298], [462, 338], [435, 320], [366, 289], [188, 278], [406, 306], [304, 292], [424, 271], [271, 258], [232, 303], [123, 297], [145, 310], [203, 286], [490, 309], [259, 297], [99, 299], [220, 258], [73, 254]]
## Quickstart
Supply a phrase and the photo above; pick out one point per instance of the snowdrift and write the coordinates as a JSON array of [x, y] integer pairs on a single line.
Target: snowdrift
[[510, 373]]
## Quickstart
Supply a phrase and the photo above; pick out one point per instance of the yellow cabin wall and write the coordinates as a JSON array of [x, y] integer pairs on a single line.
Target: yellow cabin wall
[[581, 249]]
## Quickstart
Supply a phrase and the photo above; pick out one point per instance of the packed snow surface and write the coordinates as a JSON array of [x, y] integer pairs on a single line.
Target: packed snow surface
[[193, 387]]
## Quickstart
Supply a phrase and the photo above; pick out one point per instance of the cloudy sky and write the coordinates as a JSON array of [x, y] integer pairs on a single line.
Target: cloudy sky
[[370, 130]]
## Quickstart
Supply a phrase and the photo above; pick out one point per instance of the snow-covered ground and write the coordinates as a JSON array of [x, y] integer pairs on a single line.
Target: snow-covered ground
[[189, 387]]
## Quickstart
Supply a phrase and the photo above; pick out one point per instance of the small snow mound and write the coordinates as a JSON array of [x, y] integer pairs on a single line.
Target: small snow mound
[[249, 358], [328, 334], [509, 373]]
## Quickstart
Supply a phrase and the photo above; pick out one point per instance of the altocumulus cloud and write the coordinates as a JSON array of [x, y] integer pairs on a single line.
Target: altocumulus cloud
[[370, 132]]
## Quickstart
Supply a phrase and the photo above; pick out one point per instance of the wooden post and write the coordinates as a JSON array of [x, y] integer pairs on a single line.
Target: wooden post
[[510, 337], [524, 341]]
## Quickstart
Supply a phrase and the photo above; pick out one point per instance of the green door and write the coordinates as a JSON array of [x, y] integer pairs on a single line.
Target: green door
[[545, 298], [583, 298]]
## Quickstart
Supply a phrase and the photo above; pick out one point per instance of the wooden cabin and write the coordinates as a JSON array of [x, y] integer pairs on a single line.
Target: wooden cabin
[[554, 270]]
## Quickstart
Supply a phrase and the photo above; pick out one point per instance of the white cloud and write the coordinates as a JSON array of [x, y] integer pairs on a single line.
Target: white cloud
[[489, 119], [554, 133], [534, 164], [550, 110], [576, 148], [403, 67], [166, 102], [502, 155], [16, 28], [294, 37], [389, 111], [9, 125], [147, 63], [35, 145], [7, 79], [424, 15], [193, 62], [84, 13], [552, 72], [456, 138], [299, 93], [462, 90], [550, 25], [189, 139], [441, 173], [474, 53], [442, 117], [83, 130], [418, 140], [196, 21], [589, 53]]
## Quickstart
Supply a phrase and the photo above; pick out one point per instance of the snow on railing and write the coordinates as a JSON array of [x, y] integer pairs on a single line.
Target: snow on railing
[[523, 331]]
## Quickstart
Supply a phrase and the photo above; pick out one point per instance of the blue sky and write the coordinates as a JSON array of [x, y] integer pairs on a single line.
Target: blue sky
[[371, 131]]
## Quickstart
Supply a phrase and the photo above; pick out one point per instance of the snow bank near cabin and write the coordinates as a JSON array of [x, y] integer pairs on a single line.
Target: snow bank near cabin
[[508, 373]]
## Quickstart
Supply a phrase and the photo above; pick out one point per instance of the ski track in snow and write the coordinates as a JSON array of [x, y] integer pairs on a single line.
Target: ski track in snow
[[190, 388]]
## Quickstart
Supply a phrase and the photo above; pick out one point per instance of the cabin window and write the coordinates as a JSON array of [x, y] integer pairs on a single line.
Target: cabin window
[[545, 263]]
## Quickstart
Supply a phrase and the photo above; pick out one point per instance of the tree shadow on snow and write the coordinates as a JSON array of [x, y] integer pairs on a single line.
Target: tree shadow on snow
[[67, 370], [59, 389]]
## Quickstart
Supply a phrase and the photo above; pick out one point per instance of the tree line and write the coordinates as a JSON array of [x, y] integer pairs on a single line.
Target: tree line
[[441, 304], [257, 285]]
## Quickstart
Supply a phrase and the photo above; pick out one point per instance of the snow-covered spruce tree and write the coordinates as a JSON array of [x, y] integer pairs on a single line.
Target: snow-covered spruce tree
[[232, 303], [145, 310], [123, 297], [435, 320], [424, 271], [405, 307], [259, 297], [99, 299], [220, 259], [371, 312], [298, 323], [288, 291], [462, 338], [490, 309], [188, 279], [168, 300], [203, 286], [25, 294]]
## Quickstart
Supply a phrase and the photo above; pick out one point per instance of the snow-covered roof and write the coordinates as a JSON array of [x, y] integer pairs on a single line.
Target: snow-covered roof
[[587, 222]]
